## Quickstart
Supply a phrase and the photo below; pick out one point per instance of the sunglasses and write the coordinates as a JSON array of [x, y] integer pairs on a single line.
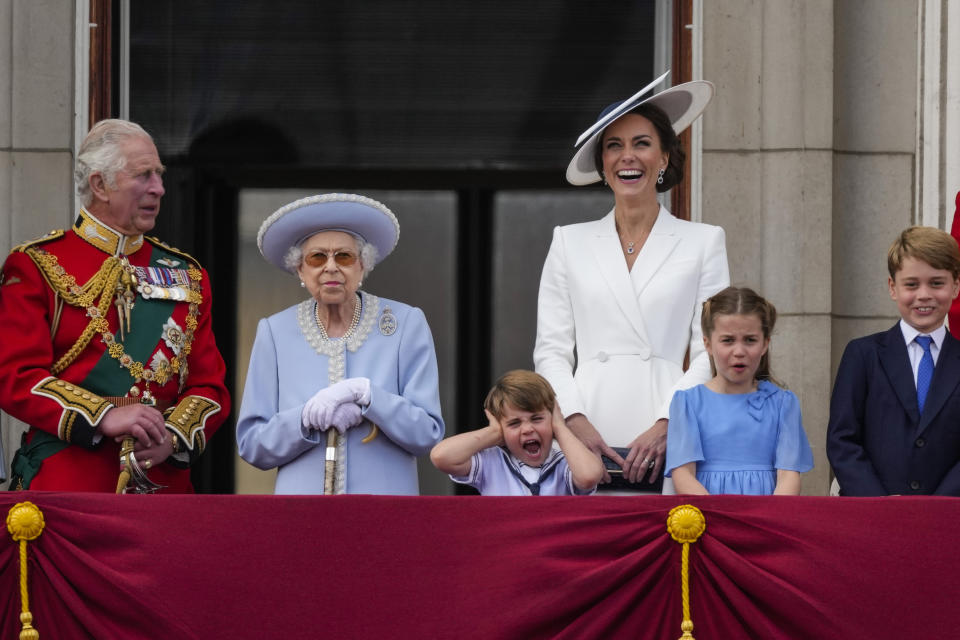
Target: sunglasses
[[342, 258]]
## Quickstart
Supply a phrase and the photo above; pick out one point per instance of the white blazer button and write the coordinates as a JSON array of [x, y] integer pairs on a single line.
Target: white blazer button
[[602, 356], [645, 353]]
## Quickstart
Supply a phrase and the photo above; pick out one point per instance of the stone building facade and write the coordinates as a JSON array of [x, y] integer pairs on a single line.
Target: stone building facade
[[829, 133]]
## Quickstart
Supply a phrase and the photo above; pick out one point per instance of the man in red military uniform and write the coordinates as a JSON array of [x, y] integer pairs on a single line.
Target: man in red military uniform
[[107, 334]]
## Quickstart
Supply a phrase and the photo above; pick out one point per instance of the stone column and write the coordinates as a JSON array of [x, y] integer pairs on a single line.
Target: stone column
[[36, 132], [768, 180], [875, 129]]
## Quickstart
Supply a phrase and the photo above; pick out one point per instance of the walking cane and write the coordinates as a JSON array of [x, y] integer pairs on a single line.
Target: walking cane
[[330, 465]]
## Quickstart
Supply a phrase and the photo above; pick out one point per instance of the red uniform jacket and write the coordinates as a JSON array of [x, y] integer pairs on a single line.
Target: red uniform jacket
[[64, 359], [954, 313]]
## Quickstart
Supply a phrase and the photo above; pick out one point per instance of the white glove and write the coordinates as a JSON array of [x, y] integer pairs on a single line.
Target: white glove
[[318, 410], [347, 415]]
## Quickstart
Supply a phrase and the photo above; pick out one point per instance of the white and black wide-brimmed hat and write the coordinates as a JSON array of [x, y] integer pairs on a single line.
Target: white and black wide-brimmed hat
[[683, 104], [293, 223]]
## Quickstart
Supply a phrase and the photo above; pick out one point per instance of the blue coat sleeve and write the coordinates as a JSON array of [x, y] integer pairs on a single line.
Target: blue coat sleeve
[[267, 437], [950, 485], [411, 418], [845, 433]]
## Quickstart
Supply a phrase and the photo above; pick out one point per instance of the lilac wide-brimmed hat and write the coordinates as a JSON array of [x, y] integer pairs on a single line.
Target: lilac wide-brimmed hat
[[683, 104], [293, 223]]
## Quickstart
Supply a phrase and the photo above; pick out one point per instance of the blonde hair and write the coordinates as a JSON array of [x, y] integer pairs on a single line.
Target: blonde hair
[[935, 247], [521, 389], [741, 301]]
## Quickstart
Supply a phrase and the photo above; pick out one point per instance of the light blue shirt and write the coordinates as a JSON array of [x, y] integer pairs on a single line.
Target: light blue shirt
[[395, 352], [915, 351], [495, 472]]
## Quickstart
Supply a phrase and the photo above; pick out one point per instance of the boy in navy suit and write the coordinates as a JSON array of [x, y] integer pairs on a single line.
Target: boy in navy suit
[[895, 410]]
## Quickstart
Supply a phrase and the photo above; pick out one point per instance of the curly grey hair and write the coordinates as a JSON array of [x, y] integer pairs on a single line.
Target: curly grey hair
[[100, 152], [367, 252]]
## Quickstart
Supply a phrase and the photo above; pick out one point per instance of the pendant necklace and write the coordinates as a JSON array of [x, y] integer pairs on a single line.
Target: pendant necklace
[[631, 245]]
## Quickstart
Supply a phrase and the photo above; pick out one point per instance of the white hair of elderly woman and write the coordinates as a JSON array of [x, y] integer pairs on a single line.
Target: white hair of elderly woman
[[101, 152], [368, 255]]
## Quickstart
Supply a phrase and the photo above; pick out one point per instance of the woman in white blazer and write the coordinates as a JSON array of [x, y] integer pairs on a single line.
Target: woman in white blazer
[[620, 297]]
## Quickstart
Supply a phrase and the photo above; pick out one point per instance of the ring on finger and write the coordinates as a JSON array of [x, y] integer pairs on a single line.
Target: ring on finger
[[645, 461], [652, 464]]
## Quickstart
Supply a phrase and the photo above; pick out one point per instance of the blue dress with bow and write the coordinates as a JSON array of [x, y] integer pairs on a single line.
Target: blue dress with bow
[[738, 441]]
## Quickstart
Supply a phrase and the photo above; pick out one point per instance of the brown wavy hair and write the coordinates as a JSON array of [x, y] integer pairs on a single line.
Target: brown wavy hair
[[521, 389], [669, 142], [741, 301]]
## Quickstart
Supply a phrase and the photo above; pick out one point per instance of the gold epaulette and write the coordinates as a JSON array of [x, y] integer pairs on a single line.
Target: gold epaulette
[[163, 245], [55, 234]]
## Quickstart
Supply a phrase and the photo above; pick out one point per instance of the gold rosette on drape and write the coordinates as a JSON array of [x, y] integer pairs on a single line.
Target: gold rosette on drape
[[25, 523], [686, 524]]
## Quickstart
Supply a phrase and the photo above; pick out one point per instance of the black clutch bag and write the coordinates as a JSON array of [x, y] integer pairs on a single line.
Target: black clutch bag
[[619, 483]]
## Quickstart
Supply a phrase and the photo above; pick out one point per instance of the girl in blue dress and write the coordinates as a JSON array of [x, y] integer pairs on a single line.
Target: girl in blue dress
[[739, 432]]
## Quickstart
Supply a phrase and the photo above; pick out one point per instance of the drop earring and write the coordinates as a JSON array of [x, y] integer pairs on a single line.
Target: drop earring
[[660, 177], [303, 284]]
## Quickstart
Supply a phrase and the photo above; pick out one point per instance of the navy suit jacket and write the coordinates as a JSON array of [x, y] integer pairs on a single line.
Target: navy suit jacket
[[877, 441]]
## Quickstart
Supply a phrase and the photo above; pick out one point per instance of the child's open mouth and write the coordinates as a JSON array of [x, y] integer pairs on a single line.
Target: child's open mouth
[[532, 447]]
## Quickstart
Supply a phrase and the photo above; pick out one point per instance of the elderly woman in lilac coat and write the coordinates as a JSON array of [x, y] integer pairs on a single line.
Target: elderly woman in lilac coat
[[344, 382]]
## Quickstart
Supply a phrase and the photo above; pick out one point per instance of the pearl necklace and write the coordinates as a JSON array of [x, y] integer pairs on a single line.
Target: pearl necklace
[[353, 323]]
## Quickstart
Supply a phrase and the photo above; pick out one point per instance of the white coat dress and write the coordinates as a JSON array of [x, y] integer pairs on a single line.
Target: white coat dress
[[611, 341]]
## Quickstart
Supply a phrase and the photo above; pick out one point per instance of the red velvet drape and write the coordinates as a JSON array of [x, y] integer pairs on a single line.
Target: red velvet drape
[[472, 567]]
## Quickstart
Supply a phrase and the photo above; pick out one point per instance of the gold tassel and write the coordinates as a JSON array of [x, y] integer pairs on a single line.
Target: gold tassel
[[25, 522], [686, 524]]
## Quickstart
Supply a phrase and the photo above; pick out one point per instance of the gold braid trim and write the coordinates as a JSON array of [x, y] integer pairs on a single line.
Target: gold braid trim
[[98, 322], [64, 285], [66, 425], [183, 254], [25, 523], [187, 419], [72, 398], [55, 234], [686, 524]]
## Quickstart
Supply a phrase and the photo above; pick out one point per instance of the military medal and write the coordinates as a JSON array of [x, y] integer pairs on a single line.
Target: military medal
[[163, 283]]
